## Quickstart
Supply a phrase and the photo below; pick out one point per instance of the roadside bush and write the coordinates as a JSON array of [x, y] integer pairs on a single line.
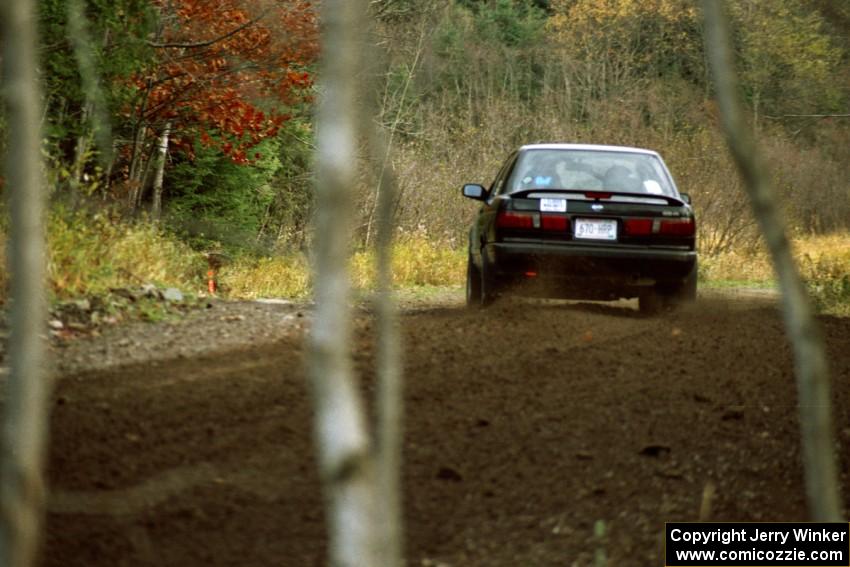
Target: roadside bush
[[91, 254], [279, 276], [417, 261], [737, 268], [825, 266], [823, 261]]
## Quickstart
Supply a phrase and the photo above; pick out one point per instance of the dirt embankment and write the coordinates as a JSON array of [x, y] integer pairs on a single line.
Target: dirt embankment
[[525, 425]]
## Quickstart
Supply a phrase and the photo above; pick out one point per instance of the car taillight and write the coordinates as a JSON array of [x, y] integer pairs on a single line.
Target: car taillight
[[638, 227], [513, 219], [555, 223], [677, 227]]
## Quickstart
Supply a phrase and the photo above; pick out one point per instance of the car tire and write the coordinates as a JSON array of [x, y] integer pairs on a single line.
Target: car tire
[[688, 291], [489, 290], [682, 292], [473, 284], [650, 302]]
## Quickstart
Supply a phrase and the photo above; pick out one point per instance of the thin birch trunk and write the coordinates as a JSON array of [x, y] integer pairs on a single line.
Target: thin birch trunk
[[134, 178], [82, 147], [809, 357], [143, 176], [25, 427], [345, 458], [140, 128], [159, 175], [388, 145], [389, 401]]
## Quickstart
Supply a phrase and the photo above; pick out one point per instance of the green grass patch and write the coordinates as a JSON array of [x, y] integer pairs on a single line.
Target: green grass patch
[[734, 284]]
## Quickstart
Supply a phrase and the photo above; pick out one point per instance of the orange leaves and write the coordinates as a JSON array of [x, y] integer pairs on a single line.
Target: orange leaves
[[221, 58]]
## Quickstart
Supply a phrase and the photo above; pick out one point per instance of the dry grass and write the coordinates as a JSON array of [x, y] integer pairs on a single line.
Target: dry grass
[[91, 255], [737, 267], [823, 260], [825, 264], [279, 276], [417, 262]]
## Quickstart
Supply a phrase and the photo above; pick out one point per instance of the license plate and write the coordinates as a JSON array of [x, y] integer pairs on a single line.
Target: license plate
[[595, 229]]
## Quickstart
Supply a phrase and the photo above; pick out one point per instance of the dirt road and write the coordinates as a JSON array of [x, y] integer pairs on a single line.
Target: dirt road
[[525, 426]]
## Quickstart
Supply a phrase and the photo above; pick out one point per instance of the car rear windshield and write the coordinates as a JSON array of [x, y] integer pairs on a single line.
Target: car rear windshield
[[592, 170]]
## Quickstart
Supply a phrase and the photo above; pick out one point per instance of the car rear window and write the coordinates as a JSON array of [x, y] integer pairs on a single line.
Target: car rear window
[[592, 170]]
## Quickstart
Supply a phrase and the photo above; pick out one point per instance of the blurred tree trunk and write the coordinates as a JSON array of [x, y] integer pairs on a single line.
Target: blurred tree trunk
[[346, 460], [95, 110], [809, 357], [25, 424]]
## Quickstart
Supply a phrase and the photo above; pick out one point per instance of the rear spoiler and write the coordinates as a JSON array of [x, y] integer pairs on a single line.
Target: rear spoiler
[[594, 195]]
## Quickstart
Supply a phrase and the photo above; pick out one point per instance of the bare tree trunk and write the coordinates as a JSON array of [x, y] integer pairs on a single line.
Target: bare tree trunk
[[388, 145], [390, 401], [809, 358], [135, 177], [22, 491], [82, 147], [346, 461], [161, 153]]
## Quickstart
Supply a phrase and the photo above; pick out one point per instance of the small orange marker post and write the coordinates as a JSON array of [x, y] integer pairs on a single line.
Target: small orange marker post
[[215, 261], [211, 285]]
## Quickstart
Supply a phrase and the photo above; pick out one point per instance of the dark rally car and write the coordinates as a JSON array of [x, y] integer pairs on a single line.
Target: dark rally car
[[578, 221]]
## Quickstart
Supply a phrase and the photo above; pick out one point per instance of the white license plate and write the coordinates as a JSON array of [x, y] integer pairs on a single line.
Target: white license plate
[[595, 229]]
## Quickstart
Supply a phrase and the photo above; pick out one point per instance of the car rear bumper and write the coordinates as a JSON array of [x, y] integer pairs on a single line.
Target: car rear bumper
[[586, 270]]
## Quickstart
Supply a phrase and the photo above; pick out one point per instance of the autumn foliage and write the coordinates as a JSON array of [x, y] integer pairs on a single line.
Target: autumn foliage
[[227, 71]]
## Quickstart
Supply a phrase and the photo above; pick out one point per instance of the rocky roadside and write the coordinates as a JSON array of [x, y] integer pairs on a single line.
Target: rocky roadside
[[218, 325], [92, 334]]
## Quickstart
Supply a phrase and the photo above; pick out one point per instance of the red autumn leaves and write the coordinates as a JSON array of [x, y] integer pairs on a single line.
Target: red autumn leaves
[[228, 70]]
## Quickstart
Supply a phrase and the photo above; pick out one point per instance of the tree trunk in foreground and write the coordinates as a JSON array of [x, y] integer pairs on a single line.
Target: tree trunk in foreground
[[809, 357], [346, 462], [22, 492]]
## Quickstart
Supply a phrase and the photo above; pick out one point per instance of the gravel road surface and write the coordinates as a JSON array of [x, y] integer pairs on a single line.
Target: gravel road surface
[[189, 443]]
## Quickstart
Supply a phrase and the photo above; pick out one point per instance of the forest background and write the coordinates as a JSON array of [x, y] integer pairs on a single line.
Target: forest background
[[176, 130]]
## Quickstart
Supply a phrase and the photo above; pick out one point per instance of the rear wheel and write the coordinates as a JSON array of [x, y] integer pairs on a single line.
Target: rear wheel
[[688, 291], [682, 292], [489, 290], [473, 284], [650, 302]]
